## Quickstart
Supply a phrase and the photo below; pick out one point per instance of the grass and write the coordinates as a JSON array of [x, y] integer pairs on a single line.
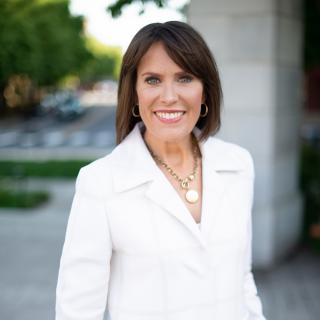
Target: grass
[[45, 169], [18, 171], [22, 199]]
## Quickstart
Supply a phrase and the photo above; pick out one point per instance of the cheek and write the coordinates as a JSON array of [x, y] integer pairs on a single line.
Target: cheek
[[194, 99], [145, 99], [194, 94], [145, 96]]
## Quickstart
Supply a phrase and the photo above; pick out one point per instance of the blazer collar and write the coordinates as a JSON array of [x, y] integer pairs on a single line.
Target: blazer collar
[[133, 165]]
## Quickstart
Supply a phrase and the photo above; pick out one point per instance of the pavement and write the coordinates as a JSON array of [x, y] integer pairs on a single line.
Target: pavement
[[30, 248], [291, 290]]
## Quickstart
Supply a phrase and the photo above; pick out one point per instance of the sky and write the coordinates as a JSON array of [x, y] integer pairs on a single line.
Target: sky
[[120, 31]]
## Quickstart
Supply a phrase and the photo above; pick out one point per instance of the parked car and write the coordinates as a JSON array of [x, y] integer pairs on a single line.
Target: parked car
[[64, 105]]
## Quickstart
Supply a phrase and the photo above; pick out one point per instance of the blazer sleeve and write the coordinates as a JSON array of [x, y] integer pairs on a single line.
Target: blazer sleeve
[[83, 278], [252, 299]]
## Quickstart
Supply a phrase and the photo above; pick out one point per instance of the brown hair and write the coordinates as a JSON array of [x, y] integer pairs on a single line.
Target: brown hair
[[188, 50]]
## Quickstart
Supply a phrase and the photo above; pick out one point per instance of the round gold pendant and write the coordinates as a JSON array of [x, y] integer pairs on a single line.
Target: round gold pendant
[[192, 196]]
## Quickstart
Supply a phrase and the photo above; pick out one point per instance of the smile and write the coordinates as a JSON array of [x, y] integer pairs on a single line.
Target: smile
[[169, 116]]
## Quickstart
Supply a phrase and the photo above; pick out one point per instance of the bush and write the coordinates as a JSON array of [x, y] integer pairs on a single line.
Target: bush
[[52, 168], [22, 199]]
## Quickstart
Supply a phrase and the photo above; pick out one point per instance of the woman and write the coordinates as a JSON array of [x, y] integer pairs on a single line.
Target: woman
[[160, 229]]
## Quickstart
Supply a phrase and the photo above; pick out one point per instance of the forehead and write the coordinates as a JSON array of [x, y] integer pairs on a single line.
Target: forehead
[[157, 58]]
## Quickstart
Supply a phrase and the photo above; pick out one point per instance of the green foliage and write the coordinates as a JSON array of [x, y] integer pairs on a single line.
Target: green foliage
[[310, 168], [311, 33], [61, 39], [105, 61], [22, 199], [310, 185], [40, 38], [53, 168], [116, 8], [18, 42], [40, 41]]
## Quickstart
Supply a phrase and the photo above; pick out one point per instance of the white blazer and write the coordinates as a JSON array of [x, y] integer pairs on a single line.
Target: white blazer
[[133, 248]]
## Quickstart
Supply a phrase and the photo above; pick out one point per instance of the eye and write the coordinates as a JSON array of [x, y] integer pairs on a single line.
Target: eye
[[152, 80], [185, 79]]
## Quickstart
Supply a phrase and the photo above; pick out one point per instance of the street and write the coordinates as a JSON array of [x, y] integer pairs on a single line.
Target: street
[[95, 129]]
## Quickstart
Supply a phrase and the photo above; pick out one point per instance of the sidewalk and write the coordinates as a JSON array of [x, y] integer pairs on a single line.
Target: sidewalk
[[31, 243], [291, 291]]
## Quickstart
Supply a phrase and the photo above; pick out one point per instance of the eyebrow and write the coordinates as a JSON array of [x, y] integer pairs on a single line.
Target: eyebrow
[[150, 74], [180, 73]]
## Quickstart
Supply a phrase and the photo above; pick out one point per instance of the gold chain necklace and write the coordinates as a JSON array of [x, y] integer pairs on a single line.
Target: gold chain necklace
[[191, 195]]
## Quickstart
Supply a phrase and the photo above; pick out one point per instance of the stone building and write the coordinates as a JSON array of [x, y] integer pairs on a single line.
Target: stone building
[[258, 48]]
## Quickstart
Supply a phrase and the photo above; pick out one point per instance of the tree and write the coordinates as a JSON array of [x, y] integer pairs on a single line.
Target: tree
[[40, 40], [19, 45], [105, 61], [116, 8], [311, 33]]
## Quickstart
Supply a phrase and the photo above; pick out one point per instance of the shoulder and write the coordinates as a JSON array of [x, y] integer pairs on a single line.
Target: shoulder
[[94, 177], [230, 154]]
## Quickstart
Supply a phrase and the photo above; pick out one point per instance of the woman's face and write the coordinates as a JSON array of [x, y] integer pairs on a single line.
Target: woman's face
[[169, 98]]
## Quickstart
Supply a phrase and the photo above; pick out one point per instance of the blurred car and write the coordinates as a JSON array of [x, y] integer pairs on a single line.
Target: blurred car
[[64, 105]]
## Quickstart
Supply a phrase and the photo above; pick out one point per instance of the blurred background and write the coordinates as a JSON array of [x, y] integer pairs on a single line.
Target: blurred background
[[59, 66]]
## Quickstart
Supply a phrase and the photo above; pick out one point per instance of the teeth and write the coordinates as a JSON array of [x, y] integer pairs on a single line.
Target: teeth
[[169, 115]]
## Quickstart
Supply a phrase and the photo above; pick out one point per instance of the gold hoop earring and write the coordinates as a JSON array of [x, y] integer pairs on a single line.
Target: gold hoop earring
[[136, 115], [206, 112]]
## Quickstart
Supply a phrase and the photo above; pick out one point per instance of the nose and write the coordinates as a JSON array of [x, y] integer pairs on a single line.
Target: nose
[[168, 94]]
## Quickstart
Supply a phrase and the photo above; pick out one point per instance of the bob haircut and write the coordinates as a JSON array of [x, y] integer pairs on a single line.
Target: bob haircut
[[186, 47]]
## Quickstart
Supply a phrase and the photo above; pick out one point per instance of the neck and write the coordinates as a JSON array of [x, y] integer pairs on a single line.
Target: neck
[[175, 153]]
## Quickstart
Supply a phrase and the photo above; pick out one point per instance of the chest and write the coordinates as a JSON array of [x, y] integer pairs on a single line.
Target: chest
[[193, 208], [155, 217]]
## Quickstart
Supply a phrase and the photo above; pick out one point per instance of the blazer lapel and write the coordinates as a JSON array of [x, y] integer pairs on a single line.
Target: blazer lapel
[[133, 166], [219, 166], [164, 195], [212, 193]]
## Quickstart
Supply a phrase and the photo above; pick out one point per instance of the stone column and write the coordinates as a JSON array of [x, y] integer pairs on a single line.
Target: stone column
[[258, 48]]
